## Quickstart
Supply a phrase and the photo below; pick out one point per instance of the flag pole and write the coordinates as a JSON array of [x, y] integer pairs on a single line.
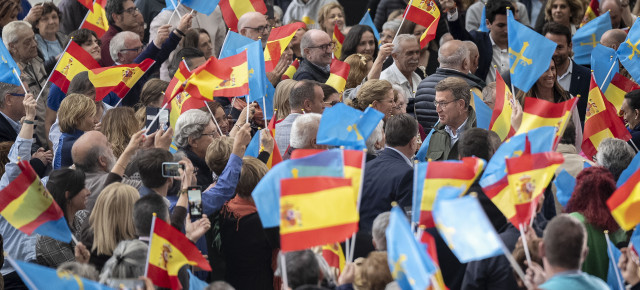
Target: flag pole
[[514, 264], [610, 69], [283, 269], [414, 194], [176, 7], [213, 117], [154, 119], [610, 253], [85, 16], [225, 41], [174, 12], [525, 245], [153, 225], [20, 80], [54, 68], [403, 18], [24, 276], [118, 104]]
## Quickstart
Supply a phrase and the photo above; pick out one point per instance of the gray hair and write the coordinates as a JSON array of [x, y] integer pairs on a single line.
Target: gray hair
[[277, 12], [127, 262], [307, 40], [400, 91], [6, 88], [376, 136], [304, 130], [454, 60], [117, 43], [10, 31], [489, 92], [190, 124], [86, 271], [220, 285], [392, 25], [614, 155], [378, 231], [402, 38]]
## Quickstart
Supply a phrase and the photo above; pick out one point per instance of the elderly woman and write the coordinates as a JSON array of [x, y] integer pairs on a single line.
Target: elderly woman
[[51, 42], [194, 131], [77, 115]]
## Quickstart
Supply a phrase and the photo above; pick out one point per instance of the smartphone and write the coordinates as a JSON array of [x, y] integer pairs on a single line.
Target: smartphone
[[170, 169], [133, 284], [195, 202]]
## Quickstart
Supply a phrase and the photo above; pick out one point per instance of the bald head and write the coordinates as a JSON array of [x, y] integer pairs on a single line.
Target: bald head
[[311, 50], [613, 38], [474, 55], [254, 25], [91, 152], [615, 11], [454, 54]]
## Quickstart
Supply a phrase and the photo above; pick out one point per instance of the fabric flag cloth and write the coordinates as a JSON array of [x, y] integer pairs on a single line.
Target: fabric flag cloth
[[73, 61], [338, 76], [291, 70], [593, 11], [625, 201], [539, 113], [227, 77], [87, 3], [502, 110], [232, 42], [438, 174], [411, 267], [7, 65], [618, 87], [256, 73], [564, 183], [483, 112], [27, 205], [422, 12], [181, 103], [629, 53], [483, 20], [429, 34], [613, 274], [232, 10], [470, 236], [316, 211], [267, 104], [118, 79], [588, 37], [368, 21], [421, 156], [96, 19], [428, 240], [266, 194], [195, 283], [338, 39], [635, 239], [603, 60], [529, 54], [333, 254], [40, 277], [176, 85], [279, 39], [632, 168], [601, 121], [254, 148], [202, 6], [342, 125], [169, 250]]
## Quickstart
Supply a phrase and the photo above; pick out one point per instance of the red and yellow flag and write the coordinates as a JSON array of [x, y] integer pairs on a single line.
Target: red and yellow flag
[[74, 60], [422, 12], [430, 33], [87, 3], [618, 87], [458, 174], [333, 254], [433, 253], [339, 73], [539, 113], [176, 85], [183, 102], [96, 19], [279, 39], [338, 39], [316, 211], [118, 79], [227, 77], [169, 250], [624, 203], [232, 10], [275, 156], [593, 11], [601, 121], [501, 117], [291, 70]]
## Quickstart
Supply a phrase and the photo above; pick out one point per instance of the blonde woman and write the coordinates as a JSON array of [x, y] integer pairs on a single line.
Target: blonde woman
[[378, 94], [330, 15], [119, 124], [76, 115], [281, 98]]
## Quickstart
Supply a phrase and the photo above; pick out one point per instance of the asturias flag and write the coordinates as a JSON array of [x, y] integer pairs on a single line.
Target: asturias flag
[[36, 276], [588, 37], [629, 53], [342, 125], [7, 66]]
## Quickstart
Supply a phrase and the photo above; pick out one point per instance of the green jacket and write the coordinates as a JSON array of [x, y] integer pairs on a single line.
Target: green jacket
[[440, 144]]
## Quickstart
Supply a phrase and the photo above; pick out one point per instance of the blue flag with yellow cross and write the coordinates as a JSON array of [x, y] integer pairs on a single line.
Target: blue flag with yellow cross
[[588, 37], [629, 52]]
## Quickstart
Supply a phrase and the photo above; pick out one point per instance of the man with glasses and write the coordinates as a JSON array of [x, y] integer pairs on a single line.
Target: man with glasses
[[122, 15], [455, 116], [254, 25], [316, 47]]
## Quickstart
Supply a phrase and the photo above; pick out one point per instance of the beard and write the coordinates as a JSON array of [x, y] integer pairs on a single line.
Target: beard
[[111, 159]]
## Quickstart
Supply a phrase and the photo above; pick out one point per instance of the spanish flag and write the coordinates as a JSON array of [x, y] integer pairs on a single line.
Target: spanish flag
[[183, 102], [74, 60], [169, 250], [227, 77], [338, 39], [96, 19], [501, 117], [232, 10], [176, 85], [458, 174], [276, 156], [624, 203], [430, 33], [422, 12], [28, 206], [278, 41], [428, 240], [339, 73], [333, 254], [316, 211], [118, 79], [593, 11], [291, 70], [618, 87], [539, 113], [87, 3], [601, 121]]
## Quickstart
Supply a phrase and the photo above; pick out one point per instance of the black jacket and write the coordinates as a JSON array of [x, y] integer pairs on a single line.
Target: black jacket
[[309, 71], [481, 39]]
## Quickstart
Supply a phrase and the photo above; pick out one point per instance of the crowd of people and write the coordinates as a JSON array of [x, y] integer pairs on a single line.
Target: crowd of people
[[102, 162]]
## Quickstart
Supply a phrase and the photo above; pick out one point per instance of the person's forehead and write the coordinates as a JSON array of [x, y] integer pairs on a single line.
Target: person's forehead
[[318, 37], [444, 95], [128, 4]]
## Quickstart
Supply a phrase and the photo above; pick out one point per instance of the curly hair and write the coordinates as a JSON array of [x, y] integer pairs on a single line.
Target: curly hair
[[119, 124], [73, 109], [372, 90], [575, 6], [594, 186], [324, 11], [358, 69]]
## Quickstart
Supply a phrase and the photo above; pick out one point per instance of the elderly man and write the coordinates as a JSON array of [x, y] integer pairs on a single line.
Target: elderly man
[[316, 47], [306, 97], [615, 12], [489, 95], [614, 155], [18, 38], [455, 116], [406, 57], [254, 25], [454, 62], [613, 38], [122, 15], [474, 56], [303, 133]]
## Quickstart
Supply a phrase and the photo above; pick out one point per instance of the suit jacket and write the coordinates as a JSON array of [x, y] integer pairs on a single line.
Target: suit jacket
[[7, 133], [481, 39], [580, 81], [387, 178]]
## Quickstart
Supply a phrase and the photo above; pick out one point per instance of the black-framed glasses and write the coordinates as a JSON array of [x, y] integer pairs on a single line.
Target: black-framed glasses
[[331, 104], [17, 95], [261, 29], [138, 49], [329, 46], [442, 104], [132, 10]]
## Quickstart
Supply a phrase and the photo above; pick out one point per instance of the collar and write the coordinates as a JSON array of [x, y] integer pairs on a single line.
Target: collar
[[398, 74], [493, 43], [326, 69], [447, 128], [403, 156], [14, 124], [569, 70]]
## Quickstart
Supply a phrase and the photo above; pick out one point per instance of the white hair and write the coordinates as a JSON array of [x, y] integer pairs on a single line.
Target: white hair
[[117, 43], [402, 38], [392, 25], [190, 124], [455, 59], [10, 31], [375, 137], [378, 230], [614, 155], [277, 12], [304, 130]]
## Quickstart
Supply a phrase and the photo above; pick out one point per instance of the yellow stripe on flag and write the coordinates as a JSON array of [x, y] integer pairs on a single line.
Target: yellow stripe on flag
[[166, 256], [28, 206], [615, 95]]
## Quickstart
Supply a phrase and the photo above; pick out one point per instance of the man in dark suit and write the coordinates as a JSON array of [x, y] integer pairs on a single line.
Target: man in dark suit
[[389, 177], [571, 76]]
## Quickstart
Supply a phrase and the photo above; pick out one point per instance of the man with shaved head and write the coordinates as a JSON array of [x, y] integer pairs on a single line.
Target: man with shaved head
[[615, 12], [316, 47], [254, 25], [613, 38]]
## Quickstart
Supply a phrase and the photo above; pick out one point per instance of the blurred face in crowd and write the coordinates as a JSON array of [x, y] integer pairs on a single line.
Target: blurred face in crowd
[[335, 16], [130, 18], [331, 100], [450, 110], [419, 30], [560, 11], [25, 47], [49, 24], [133, 47], [401, 104], [93, 48], [386, 36], [295, 41], [367, 44], [316, 105], [320, 52], [499, 28], [408, 56], [631, 116], [199, 145], [78, 202], [204, 44], [615, 12], [222, 120], [8, 17], [386, 105], [563, 49], [87, 123], [548, 78]]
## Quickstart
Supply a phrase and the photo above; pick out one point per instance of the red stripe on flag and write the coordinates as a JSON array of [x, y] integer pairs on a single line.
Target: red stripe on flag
[[18, 186], [306, 239], [544, 109], [300, 186], [302, 153], [52, 213], [426, 219], [528, 162], [353, 158], [494, 189], [161, 277], [449, 170], [97, 29]]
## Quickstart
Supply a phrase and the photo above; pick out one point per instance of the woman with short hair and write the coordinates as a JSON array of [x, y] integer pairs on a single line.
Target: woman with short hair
[[76, 116]]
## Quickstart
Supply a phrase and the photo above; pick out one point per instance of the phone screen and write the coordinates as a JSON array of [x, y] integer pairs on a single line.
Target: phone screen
[[171, 169], [195, 202]]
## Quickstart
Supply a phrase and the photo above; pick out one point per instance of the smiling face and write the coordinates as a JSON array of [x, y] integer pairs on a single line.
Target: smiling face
[[548, 78], [335, 16], [631, 116], [93, 48], [386, 105], [367, 44], [563, 49], [449, 109], [560, 11]]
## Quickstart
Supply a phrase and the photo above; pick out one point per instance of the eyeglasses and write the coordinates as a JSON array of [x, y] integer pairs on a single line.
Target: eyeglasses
[[261, 29], [442, 104], [16, 95], [213, 135], [329, 46], [332, 103], [138, 49], [132, 10]]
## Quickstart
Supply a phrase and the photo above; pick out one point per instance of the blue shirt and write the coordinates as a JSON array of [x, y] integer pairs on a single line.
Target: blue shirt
[[63, 153], [214, 198], [15, 125], [574, 280]]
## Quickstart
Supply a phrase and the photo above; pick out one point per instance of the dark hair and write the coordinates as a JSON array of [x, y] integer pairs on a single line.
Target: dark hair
[[569, 136], [187, 53], [475, 142], [192, 37], [143, 211], [498, 7], [150, 166], [303, 90], [594, 186], [302, 268], [352, 39], [634, 99], [114, 6], [81, 36], [327, 90], [80, 84], [564, 242], [400, 130], [62, 181], [557, 29], [47, 7]]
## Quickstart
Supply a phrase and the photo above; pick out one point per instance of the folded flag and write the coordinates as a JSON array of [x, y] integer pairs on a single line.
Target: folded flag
[[232, 42], [27, 205], [470, 236], [366, 20], [411, 267], [619, 87], [202, 6], [232, 10], [625, 201], [342, 125], [40, 277], [333, 254], [564, 183], [316, 211], [279, 39], [632, 168], [430, 33], [96, 19], [529, 54], [603, 60], [118, 79], [588, 36], [73, 61], [169, 250], [176, 85], [593, 11], [483, 112], [7, 66], [181, 103], [338, 39], [502, 110], [601, 121], [338, 76], [614, 279], [540, 113], [291, 70], [628, 52]]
